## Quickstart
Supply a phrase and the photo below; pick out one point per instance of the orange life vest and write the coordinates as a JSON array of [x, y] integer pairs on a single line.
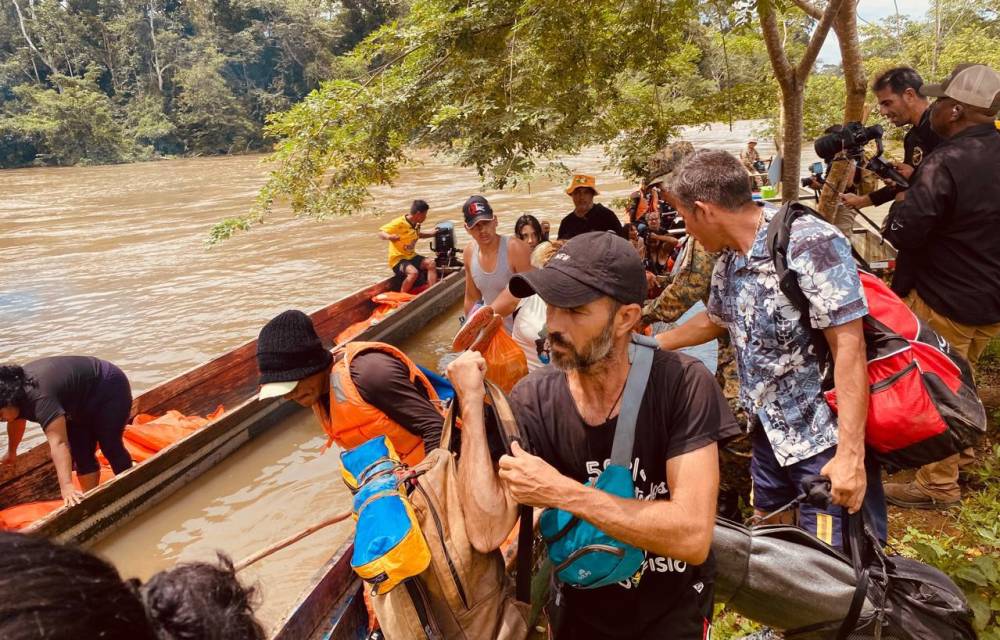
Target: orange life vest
[[353, 421]]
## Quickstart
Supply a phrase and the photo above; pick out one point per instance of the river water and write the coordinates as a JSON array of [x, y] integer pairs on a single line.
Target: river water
[[111, 261]]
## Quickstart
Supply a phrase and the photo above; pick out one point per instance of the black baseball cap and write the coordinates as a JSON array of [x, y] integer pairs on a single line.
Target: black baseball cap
[[588, 266], [476, 209]]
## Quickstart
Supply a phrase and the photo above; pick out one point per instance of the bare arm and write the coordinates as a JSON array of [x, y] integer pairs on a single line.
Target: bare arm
[[698, 330], [490, 511], [850, 376], [472, 293], [680, 528], [55, 433], [392, 237], [15, 432]]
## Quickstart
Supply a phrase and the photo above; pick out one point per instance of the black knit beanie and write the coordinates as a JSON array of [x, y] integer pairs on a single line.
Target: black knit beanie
[[288, 349]]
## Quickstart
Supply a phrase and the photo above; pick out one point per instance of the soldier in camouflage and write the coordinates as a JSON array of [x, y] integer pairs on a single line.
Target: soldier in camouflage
[[690, 284]]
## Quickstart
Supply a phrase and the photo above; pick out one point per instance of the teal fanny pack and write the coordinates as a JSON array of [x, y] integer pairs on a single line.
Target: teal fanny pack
[[582, 555]]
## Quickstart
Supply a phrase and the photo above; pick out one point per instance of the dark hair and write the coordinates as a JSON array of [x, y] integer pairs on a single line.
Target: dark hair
[[14, 385], [899, 79], [198, 600], [77, 595], [419, 206], [712, 175], [526, 220]]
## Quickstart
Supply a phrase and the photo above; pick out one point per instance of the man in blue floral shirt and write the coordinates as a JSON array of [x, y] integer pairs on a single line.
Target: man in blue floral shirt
[[796, 433]]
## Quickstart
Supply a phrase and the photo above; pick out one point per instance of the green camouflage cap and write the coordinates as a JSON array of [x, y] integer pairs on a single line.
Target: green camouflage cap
[[663, 162]]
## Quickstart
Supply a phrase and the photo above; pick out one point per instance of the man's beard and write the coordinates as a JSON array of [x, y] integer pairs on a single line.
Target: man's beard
[[593, 353]]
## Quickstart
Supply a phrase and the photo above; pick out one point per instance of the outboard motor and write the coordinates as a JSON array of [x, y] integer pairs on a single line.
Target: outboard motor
[[443, 245]]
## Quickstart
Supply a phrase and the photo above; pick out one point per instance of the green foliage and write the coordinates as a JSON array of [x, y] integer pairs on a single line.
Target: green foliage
[[176, 77], [971, 556], [70, 123], [506, 85]]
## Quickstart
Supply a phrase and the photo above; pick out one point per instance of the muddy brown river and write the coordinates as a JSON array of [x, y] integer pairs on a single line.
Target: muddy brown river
[[111, 261]]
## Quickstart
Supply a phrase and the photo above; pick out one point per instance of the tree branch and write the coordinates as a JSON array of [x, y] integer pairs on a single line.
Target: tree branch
[[783, 70], [816, 41], [809, 9]]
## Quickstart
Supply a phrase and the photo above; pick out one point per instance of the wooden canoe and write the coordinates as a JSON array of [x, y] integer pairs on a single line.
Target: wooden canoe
[[230, 380]]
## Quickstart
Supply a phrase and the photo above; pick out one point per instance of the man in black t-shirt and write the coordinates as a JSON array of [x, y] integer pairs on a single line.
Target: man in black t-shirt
[[594, 287], [586, 215]]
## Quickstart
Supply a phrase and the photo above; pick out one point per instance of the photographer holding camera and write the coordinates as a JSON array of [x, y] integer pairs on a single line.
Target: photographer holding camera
[[900, 100], [946, 225]]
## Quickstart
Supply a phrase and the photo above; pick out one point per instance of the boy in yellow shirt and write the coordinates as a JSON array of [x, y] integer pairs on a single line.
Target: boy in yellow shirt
[[402, 234]]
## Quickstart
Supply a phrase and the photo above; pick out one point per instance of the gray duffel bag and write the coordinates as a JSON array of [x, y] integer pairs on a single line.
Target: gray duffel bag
[[784, 578]]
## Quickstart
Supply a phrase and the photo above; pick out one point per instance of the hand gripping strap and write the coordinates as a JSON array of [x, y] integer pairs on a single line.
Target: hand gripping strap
[[641, 352]]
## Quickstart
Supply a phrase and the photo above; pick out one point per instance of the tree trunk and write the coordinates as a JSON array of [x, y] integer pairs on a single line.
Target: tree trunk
[[156, 58], [792, 80], [791, 134], [841, 173], [31, 44]]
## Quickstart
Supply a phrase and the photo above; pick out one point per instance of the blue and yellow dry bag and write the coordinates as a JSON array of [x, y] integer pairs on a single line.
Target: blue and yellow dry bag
[[388, 544], [582, 555]]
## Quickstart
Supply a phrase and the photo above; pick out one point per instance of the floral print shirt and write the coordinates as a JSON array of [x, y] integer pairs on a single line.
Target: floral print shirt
[[780, 379]]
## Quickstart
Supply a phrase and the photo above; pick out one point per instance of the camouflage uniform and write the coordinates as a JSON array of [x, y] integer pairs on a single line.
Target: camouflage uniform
[[689, 285]]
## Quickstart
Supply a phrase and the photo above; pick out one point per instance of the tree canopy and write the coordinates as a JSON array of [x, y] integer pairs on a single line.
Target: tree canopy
[[119, 80]]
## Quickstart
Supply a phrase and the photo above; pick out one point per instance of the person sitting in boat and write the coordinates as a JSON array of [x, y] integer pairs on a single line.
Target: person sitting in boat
[[402, 234], [594, 289], [750, 159], [80, 402], [586, 214], [374, 389], [48, 590], [491, 259]]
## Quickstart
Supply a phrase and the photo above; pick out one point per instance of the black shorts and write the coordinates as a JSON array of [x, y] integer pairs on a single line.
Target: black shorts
[[416, 262]]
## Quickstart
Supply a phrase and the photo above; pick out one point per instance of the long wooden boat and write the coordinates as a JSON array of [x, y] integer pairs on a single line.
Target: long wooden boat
[[230, 380]]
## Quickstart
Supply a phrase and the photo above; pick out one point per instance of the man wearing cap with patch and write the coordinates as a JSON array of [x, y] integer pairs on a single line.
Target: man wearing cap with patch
[[586, 214], [490, 260], [946, 224], [372, 390], [593, 289]]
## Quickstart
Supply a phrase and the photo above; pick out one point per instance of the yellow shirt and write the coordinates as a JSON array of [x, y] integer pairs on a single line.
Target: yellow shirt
[[405, 247]]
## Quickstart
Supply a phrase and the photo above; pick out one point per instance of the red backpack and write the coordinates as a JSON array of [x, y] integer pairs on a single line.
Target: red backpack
[[923, 405]]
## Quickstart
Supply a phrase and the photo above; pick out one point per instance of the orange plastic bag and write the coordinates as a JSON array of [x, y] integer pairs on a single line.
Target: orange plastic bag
[[20, 516], [147, 434], [386, 303], [505, 361]]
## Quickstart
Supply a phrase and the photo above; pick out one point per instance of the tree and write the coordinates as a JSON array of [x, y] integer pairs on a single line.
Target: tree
[[792, 80], [69, 123], [501, 86]]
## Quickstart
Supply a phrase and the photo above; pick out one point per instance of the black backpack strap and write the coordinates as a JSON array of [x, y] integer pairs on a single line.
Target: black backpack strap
[[855, 541], [421, 604], [779, 233], [525, 544]]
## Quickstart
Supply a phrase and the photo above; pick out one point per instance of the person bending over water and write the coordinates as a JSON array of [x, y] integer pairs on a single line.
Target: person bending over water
[[54, 592], [80, 402]]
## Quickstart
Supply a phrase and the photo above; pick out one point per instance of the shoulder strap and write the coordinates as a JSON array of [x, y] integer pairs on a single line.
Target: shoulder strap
[[509, 433], [641, 351], [853, 537], [779, 234]]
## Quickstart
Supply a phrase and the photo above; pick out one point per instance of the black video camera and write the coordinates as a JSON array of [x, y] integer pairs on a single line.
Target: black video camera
[[851, 139], [815, 176]]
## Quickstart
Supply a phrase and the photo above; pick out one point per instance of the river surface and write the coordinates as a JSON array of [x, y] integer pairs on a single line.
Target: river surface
[[111, 261]]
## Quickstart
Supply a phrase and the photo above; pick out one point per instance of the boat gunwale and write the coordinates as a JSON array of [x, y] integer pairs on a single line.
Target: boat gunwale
[[250, 411]]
